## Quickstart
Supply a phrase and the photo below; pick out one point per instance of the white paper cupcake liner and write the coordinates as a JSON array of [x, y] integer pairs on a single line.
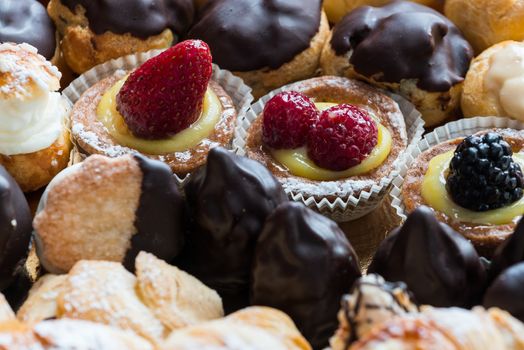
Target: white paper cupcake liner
[[346, 206], [239, 92], [452, 130]]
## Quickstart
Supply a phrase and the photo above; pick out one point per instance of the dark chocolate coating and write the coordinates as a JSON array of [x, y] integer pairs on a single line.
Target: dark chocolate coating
[[507, 291], [404, 40], [26, 21], [508, 253], [229, 200], [246, 35], [303, 266], [438, 265], [140, 18], [18, 291], [15, 228], [159, 216]]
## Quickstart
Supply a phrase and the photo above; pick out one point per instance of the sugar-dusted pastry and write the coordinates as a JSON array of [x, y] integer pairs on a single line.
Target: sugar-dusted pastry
[[93, 32], [487, 22], [495, 82], [266, 43], [41, 301], [406, 48], [437, 264], [34, 142], [168, 109], [109, 209], [308, 256], [6, 313]]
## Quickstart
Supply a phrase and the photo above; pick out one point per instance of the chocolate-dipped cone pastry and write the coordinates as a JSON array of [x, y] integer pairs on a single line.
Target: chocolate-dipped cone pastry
[[404, 47], [229, 199], [109, 209], [438, 265], [15, 228], [372, 301], [93, 32], [507, 291], [268, 43], [509, 253], [303, 265]]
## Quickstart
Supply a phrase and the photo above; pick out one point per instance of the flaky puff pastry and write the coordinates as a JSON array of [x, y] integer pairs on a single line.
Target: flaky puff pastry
[[487, 22], [447, 328], [254, 328]]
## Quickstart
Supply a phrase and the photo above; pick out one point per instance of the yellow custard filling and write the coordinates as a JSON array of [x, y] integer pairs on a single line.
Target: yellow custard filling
[[436, 195], [298, 163], [114, 122]]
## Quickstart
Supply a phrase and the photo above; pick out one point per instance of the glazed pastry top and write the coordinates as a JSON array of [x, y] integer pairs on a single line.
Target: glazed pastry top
[[431, 48], [250, 35]]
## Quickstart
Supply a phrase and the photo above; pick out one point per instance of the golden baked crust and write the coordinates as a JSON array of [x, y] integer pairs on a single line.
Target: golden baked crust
[[41, 301], [91, 136], [338, 90], [435, 107], [485, 238], [303, 66], [487, 22], [34, 170], [83, 49]]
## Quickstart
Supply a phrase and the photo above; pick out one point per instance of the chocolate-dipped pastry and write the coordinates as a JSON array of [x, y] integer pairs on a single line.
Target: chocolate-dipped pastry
[[229, 200], [26, 21], [303, 265], [507, 291], [109, 209], [15, 228], [405, 47], [508, 253], [438, 265]]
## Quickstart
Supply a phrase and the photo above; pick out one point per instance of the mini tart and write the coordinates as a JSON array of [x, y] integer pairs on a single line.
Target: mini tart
[[484, 237], [92, 137], [336, 90]]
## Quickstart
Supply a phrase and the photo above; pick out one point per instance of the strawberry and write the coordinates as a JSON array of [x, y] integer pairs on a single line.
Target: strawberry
[[165, 94]]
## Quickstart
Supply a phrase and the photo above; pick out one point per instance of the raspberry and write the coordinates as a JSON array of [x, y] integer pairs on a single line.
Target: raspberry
[[342, 138], [165, 94], [287, 119]]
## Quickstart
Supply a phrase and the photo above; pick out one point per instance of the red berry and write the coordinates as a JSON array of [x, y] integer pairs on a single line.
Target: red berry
[[288, 117], [165, 94], [342, 138]]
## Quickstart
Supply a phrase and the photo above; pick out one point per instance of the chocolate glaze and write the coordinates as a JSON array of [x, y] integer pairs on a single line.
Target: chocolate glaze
[[18, 291], [140, 18], [508, 253], [404, 40], [159, 216], [228, 199], [303, 266], [26, 21], [247, 35], [15, 228], [438, 265], [507, 291]]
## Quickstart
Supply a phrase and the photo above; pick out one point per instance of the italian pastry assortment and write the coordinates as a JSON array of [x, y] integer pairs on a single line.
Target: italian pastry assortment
[[179, 174]]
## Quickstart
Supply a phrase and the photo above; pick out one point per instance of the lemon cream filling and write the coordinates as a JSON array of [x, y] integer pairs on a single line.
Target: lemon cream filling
[[298, 163], [182, 141], [436, 195]]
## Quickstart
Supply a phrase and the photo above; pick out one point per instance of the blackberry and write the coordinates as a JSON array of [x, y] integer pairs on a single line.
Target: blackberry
[[483, 175]]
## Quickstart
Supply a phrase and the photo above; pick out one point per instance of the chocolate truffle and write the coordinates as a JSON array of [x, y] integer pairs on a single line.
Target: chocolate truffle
[[303, 266], [438, 265], [229, 200], [508, 253], [15, 228], [26, 21], [507, 291]]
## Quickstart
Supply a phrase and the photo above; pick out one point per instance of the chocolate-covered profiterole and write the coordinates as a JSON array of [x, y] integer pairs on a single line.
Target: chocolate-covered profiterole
[[15, 228], [508, 253], [140, 18], [229, 200], [507, 291], [250, 35], [438, 265], [303, 266], [404, 40], [26, 21]]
